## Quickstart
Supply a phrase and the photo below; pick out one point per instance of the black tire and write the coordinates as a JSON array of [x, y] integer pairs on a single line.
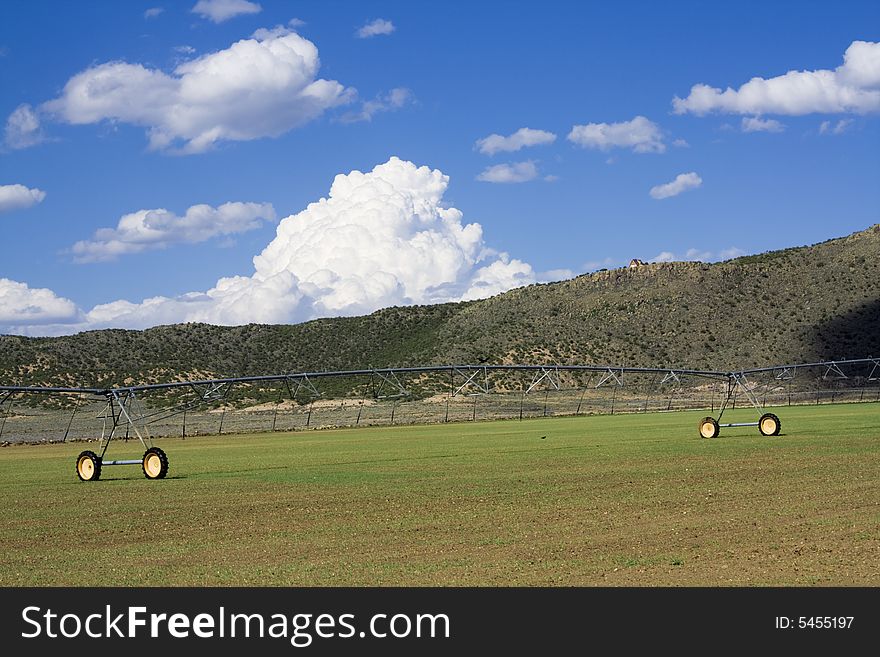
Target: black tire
[[155, 463], [88, 466], [769, 425], [708, 427]]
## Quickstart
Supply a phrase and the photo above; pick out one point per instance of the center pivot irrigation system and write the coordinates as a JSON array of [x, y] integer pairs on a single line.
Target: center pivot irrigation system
[[124, 407]]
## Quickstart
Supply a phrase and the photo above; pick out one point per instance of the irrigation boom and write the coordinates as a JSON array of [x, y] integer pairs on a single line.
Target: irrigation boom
[[124, 407]]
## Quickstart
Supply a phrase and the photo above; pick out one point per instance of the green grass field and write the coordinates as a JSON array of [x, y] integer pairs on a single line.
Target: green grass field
[[622, 500]]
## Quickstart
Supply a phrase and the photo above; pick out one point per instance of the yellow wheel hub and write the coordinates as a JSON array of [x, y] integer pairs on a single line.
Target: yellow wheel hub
[[153, 465], [86, 467]]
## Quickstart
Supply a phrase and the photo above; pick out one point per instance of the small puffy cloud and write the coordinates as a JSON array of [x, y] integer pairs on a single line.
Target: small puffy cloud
[[553, 275], [379, 239], [593, 265], [853, 87], [157, 229], [375, 28], [522, 138], [838, 128], [21, 305], [389, 102], [218, 11], [640, 134], [184, 50], [515, 172], [500, 276], [23, 128], [681, 143], [258, 87], [699, 255], [153, 12], [756, 124], [296, 22], [664, 256], [19, 197], [682, 183]]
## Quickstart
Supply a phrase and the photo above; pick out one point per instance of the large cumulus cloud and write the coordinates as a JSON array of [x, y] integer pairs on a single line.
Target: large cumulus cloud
[[378, 239]]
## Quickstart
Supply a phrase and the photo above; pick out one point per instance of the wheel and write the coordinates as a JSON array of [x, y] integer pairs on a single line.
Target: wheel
[[708, 427], [769, 425], [155, 463], [88, 466]]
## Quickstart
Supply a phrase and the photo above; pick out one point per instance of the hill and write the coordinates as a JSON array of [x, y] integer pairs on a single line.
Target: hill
[[799, 304]]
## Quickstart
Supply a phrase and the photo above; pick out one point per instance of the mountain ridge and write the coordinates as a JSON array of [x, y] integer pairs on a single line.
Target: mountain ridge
[[796, 304]]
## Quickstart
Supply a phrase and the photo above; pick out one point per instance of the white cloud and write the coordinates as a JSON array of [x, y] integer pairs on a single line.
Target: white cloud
[[500, 276], [157, 229], [522, 138], [389, 102], [640, 134], [258, 87], [699, 255], [756, 124], [553, 275], [19, 197], [375, 28], [696, 254], [853, 87], [380, 238], [829, 128], [23, 128], [664, 256], [296, 22], [681, 143], [153, 12], [515, 172], [682, 183], [21, 305], [184, 50], [222, 10], [593, 265]]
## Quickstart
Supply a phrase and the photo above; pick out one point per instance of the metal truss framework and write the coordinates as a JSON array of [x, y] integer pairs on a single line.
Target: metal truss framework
[[124, 407]]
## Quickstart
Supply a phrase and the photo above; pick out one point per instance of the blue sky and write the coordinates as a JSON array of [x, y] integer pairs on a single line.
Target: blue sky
[[783, 162]]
